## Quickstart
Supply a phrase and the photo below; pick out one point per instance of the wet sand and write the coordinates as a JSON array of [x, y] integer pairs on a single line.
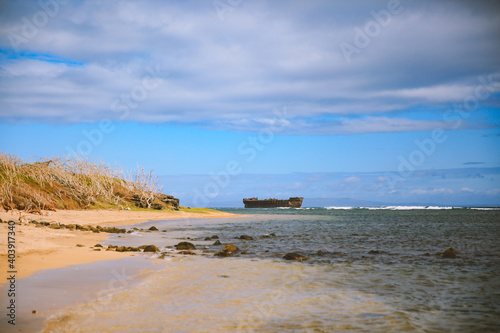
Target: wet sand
[[45, 248]]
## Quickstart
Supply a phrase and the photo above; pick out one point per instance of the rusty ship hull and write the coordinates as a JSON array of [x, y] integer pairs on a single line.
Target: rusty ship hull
[[294, 202]]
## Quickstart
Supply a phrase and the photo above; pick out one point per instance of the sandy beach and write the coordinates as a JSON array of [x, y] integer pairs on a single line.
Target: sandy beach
[[40, 248]]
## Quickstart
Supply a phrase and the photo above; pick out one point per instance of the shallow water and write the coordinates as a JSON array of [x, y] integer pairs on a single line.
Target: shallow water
[[402, 287]]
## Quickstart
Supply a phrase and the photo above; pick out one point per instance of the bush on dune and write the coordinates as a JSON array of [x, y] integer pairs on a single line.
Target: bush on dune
[[75, 183]]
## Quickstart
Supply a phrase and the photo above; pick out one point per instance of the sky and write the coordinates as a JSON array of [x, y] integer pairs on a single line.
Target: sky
[[390, 102]]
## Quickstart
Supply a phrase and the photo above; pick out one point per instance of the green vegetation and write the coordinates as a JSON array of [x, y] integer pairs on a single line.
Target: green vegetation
[[76, 183], [198, 210]]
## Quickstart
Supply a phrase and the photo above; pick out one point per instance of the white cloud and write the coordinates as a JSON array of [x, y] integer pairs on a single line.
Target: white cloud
[[432, 191], [353, 179], [263, 55]]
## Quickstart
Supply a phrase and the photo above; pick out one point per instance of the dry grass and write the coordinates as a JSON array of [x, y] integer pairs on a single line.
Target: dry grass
[[73, 183]]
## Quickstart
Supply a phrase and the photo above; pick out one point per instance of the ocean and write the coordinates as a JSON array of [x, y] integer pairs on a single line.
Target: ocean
[[368, 270]]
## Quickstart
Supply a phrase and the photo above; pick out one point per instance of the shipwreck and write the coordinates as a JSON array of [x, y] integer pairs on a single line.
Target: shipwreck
[[294, 202]]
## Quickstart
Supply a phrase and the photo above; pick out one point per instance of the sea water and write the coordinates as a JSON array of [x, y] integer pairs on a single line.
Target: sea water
[[369, 270]]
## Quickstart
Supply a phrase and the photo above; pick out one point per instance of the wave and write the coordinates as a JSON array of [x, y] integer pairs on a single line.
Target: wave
[[334, 207], [403, 208]]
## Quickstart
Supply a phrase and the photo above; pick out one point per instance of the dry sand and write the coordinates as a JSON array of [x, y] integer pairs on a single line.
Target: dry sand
[[46, 248]]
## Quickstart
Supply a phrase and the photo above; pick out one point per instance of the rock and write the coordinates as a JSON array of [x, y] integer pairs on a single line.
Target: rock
[[246, 237], [374, 252], [150, 248], [80, 245], [227, 251], [55, 226], [295, 256], [153, 228], [98, 245], [157, 206], [169, 201], [115, 230], [223, 254], [230, 248], [320, 253], [217, 242], [97, 249], [215, 237], [208, 239], [185, 246], [450, 253]]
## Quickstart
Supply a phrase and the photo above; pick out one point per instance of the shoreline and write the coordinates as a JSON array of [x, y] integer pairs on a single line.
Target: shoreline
[[46, 248]]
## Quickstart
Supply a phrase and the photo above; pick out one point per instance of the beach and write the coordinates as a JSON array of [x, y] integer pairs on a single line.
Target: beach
[[46, 248], [363, 270]]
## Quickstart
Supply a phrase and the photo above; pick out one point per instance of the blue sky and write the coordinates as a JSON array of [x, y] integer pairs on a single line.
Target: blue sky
[[387, 101]]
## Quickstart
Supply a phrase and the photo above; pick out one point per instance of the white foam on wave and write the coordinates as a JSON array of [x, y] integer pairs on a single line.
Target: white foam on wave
[[402, 208], [334, 207]]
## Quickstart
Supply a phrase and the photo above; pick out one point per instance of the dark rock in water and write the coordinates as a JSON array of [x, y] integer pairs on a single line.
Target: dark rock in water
[[374, 252], [215, 237], [153, 228], [217, 242], [227, 251], [230, 248], [98, 245], [187, 252], [208, 239], [150, 248], [320, 252], [295, 256], [246, 237], [223, 254], [243, 252], [185, 246], [272, 234], [450, 253]]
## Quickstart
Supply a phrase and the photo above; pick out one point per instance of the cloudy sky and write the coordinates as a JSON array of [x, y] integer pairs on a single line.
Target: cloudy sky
[[387, 101]]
